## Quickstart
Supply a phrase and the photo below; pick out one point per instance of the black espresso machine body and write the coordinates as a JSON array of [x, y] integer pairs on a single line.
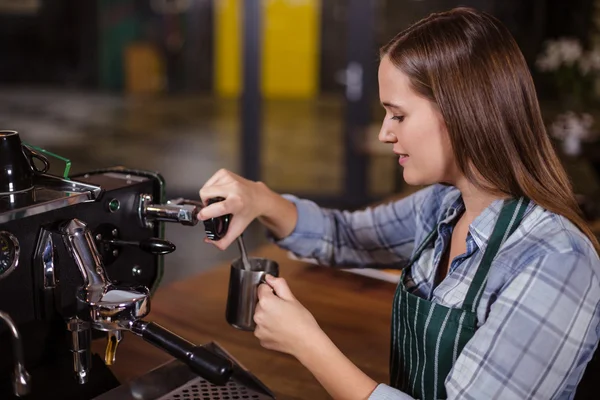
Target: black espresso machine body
[[39, 282], [25, 290], [79, 260]]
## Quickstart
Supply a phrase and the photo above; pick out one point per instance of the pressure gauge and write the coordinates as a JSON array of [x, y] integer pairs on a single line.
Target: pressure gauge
[[9, 253]]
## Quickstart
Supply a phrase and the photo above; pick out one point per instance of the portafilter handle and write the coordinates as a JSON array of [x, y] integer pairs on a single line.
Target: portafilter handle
[[182, 211], [215, 228], [210, 366]]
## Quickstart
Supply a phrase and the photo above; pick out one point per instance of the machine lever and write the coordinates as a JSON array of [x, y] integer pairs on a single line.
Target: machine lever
[[149, 245]]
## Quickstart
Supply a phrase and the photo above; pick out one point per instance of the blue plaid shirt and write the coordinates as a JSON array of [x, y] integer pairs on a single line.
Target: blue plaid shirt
[[539, 316]]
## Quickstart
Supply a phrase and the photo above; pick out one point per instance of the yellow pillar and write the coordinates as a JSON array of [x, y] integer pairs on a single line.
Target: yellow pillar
[[228, 51], [290, 48]]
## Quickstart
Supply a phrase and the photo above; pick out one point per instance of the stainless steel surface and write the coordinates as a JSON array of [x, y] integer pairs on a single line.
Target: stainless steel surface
[[243, 286], [21, 378], [174, 380], [145, 200], [182, 201], [138, 327], [80, 243], [16, 191], [44, 258], [170, 213], [117, 307], [67, 185], [21, 381], [184, 212], [111, 307], [199, 389], [17, 251], [152, 385], [244, 254], [50, 193], [81, 341]]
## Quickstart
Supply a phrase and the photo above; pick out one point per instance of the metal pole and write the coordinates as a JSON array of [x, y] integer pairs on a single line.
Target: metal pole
[[251, 96], [361, 67]]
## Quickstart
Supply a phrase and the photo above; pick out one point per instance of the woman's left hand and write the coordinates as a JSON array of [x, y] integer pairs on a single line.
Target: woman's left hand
[[282, 323]]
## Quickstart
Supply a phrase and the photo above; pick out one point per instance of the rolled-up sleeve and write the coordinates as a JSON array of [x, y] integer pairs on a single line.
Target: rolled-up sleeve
[[381, 236], [385, 392]]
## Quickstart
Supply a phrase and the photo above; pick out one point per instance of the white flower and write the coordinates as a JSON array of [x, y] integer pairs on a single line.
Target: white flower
[[570, 50], [572, 129], [563, 51], [590, 62], [549, 59], [548, 62], [570, 124]]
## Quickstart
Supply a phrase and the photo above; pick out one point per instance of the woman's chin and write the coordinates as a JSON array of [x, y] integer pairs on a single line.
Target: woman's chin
[[413, 179]]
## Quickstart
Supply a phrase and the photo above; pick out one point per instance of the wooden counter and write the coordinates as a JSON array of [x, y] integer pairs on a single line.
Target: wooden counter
[[353, 310]]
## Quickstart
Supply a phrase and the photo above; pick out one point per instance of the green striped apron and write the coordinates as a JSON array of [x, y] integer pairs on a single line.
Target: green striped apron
[[426, 338]]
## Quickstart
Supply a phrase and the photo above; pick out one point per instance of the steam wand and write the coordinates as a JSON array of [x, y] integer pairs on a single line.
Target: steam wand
[[21, 378]]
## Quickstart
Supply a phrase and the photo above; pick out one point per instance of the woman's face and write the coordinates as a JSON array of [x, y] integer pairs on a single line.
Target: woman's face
[[415, 128]]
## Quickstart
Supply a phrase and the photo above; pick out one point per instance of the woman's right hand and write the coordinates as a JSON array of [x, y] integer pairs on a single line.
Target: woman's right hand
[[243, 199], [246, 200]]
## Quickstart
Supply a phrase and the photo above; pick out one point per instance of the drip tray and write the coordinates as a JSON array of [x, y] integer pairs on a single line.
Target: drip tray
[[175, 381], [200, 389]]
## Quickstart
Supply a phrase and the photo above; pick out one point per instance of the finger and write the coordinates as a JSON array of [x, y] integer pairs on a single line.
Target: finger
[[217, 176], [267, 344], [221, 244], [264, 291], [219, 208], [217, 190], [280, 286]]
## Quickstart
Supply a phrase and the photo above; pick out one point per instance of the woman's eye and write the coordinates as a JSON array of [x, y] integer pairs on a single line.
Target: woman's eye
[[398, 118]]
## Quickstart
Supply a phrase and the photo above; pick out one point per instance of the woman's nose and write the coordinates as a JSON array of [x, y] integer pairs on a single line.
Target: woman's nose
[[386, 135]]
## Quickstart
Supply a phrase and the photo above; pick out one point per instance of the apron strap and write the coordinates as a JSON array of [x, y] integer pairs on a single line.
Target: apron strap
[[431, 236], [508, 221]]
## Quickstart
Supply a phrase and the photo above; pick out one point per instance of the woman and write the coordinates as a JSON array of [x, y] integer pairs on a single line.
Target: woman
[[500, 297]]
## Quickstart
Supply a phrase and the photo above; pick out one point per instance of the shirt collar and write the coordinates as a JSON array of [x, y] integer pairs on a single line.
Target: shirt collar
[[482, 227]]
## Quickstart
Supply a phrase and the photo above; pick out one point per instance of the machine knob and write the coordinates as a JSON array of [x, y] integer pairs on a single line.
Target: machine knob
[[216, 228]]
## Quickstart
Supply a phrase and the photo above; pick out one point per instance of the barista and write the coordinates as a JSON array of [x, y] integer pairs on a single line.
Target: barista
[[500, 294]]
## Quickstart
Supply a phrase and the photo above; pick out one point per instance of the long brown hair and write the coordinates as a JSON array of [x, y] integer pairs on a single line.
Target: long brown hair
[[468, 64]]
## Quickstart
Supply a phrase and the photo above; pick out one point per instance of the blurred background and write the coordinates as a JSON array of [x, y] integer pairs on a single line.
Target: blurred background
[[282, 91]]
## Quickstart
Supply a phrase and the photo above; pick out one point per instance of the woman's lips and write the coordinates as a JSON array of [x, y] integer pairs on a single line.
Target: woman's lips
[[403, 159]]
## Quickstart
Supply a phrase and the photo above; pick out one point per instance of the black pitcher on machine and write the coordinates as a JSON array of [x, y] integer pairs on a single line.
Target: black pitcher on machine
[[80, 257]]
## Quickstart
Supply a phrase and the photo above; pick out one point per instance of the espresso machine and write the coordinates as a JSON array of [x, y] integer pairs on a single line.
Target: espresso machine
[[80, 257]]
